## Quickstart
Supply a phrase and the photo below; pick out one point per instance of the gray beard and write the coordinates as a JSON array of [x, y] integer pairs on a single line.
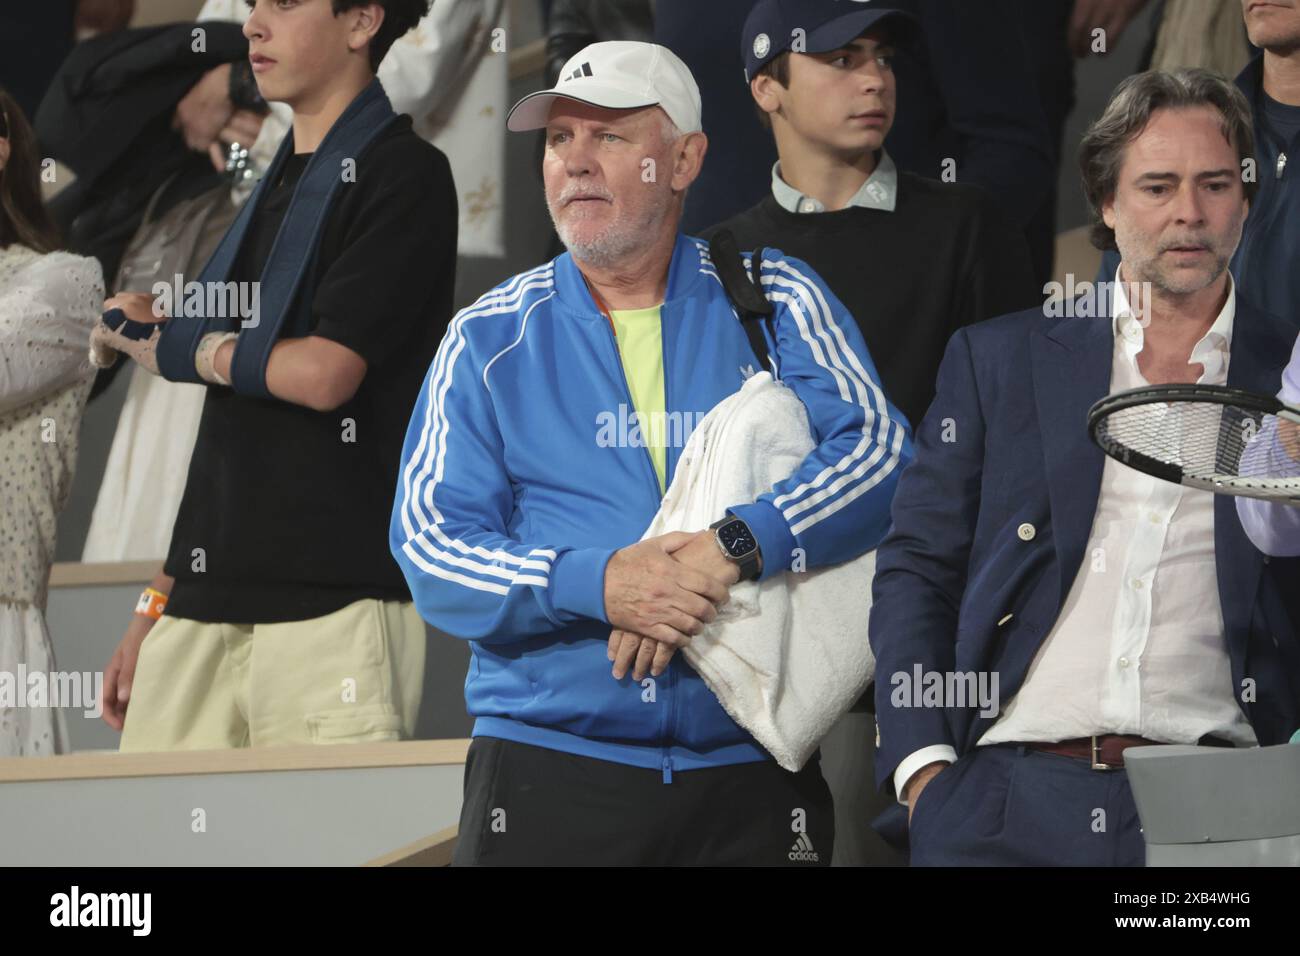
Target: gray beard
[[1161, 282], [614, 244], [603, 251]]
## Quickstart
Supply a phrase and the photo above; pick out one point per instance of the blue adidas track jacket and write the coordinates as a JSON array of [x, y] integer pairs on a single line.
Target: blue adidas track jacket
[[519, 480]]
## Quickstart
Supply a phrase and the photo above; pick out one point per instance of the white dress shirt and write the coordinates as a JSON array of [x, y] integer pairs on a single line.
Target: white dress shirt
[[1138, 646]]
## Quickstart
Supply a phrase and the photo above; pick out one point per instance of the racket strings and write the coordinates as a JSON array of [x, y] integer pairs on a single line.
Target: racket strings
[[1208, 441]]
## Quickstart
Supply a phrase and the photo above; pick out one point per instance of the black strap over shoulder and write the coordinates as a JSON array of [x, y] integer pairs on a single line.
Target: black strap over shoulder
[[745, 293]]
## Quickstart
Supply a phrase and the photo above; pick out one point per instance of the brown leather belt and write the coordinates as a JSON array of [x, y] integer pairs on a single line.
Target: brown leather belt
[[1102, 753]]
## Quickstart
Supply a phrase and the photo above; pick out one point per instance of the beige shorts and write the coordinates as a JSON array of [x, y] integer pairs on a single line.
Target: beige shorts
[[354, 675]]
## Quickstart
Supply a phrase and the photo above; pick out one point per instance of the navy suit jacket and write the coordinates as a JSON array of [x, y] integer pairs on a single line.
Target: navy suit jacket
[[1013, 395]]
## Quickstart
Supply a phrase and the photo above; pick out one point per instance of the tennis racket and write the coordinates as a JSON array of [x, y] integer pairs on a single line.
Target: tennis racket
[[1226, 440]]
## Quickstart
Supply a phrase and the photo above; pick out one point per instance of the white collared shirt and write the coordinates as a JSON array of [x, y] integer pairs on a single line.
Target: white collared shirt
[[1138, 646], [880, 191]]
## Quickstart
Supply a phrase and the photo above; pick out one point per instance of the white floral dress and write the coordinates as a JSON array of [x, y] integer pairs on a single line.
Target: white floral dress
[[48, 305]]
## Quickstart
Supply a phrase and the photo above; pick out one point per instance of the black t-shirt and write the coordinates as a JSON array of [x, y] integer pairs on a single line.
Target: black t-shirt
[[943, 258], [286, 510]]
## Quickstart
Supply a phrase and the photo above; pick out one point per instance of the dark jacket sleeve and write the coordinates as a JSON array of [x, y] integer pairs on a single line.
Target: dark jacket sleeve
[[569, 30], [575, 23], [1000, 279], [989, 101], [114, 87], [921, 566]]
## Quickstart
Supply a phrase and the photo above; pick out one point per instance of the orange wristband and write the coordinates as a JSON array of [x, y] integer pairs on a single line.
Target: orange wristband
[[151, 603]]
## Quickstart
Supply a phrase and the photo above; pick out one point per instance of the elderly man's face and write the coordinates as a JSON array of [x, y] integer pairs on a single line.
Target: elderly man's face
[[1179, 205], [1273, 24], [609, 178]]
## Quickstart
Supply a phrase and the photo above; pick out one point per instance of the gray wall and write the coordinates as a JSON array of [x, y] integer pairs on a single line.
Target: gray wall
[[273, 818]]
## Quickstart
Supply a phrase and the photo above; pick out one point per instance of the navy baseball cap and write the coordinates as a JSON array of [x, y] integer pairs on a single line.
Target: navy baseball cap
[[822, 25]]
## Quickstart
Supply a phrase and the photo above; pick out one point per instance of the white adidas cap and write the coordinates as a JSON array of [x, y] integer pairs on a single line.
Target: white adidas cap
[[618, 75]]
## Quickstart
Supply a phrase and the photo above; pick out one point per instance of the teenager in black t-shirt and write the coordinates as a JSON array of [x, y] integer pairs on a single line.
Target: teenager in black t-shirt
[[313, 481], [281, 615]]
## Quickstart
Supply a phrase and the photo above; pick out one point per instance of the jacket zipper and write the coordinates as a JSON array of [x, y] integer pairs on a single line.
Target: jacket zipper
[[671, 673], [627, 392], [654, 478]]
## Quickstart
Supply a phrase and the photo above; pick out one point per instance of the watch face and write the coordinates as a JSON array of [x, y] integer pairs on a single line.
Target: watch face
[[735, 537]]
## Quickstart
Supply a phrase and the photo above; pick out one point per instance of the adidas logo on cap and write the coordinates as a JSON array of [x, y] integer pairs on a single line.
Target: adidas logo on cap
[[803, 852]]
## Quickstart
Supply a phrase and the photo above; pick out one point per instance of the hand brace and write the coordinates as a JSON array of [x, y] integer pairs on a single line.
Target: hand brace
[[115, 335], [205, 357]]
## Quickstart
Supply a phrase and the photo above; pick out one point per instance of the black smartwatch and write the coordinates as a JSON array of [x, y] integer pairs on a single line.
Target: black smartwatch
[[738, 544]]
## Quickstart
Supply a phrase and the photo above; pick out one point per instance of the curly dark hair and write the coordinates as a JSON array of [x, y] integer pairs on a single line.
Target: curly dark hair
[[399, 17]]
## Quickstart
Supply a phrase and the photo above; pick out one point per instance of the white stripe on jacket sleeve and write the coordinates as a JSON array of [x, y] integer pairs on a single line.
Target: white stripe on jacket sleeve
[[418, 511]]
